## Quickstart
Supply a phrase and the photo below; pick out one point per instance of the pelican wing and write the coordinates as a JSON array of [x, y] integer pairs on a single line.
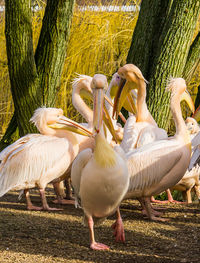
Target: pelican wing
[[195, 159], [150, 134], [130, 134], [76, 171], [150, 163], [30, 162], [196, 140], [9, 149]]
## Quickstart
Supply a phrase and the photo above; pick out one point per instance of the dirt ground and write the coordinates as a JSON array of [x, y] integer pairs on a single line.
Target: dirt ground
[[31, 237]]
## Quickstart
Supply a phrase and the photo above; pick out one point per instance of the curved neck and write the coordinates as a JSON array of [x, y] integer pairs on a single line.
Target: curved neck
[[81, 106], [143, 113], [181, 129]]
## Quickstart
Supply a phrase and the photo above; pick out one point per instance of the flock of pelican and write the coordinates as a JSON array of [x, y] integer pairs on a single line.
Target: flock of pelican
[[104, 162]]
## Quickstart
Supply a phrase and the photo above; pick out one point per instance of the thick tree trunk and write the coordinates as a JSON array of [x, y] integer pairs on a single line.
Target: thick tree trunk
[[193, 59], [21, 64], [171, 56], [152, 16], [52, 45], [34, 79], [160, 47]]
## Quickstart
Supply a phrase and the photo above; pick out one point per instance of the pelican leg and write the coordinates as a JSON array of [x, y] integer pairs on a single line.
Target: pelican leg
[[93, 244], [189, 199], [150, 214], [197, 191], [45, 205], [29, 204], [144, 210], [60, 199], [119, 228]]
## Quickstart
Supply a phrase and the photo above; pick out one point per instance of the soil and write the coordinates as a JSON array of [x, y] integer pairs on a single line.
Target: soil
[[40, 236]]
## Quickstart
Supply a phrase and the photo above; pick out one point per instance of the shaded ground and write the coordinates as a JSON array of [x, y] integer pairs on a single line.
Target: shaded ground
[[60, 236]]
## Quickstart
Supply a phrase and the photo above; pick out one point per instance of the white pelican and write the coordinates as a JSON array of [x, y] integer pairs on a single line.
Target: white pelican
[[142, 129], [190, 180], [36, 159], [100, 178], [81, 87], [158, 166]]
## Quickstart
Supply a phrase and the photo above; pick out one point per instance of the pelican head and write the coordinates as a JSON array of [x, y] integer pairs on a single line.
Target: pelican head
[[54, 118], [192, 125], [131, 77], [178, 87], [99, 83]]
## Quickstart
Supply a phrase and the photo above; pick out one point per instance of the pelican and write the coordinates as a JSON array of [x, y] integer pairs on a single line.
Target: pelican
[[81, 87], [190, 180], [142, 129], [37, 159], [100, 178], [159, 165]]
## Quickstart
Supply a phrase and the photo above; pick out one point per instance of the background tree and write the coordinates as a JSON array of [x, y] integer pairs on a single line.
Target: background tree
[[161, 47], [35, 77]]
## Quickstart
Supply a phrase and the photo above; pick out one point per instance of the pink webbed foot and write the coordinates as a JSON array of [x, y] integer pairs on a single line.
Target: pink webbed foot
[[34, 208], [119, 230], [154, 218], [51, 209], [98, 246], [63, 202]]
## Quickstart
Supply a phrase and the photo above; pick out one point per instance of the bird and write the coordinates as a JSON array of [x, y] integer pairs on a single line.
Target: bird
[[35, 160], [159, 165], [190, 180], [100, 177], [141, 129]]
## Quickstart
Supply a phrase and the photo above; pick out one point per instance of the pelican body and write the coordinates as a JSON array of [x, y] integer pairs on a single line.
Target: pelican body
[[160, 165], [36, 159], [100, 177]]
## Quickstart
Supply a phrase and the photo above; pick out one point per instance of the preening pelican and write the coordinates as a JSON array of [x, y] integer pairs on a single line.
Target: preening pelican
[[100, 178], [36, 159], [158, 166]]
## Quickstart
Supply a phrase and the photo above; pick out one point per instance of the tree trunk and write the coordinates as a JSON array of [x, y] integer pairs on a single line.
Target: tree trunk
[[52, 46], [193, 59], [21, 64], [163, 54], [34, 79]]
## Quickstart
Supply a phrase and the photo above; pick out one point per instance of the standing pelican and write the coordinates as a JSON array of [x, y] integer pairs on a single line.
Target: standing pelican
[[143, 129], [158, 166], [100, 178], [36, 159]]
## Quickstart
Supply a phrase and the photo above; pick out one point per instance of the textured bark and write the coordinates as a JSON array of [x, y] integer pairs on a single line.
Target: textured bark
[[193, 59], [34, 79], [160, 47], [51, 48], [171, 56], [21, 64], [152, 16]]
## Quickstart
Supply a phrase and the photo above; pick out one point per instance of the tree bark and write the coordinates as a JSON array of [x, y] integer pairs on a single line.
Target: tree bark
[[171, 56], [34, 78], [52, 46], [193, 59], [160, 47], [152, 16], [21, 64]]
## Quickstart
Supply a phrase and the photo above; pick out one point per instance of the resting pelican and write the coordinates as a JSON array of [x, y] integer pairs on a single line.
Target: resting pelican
[[158, 166], [100, 178], [36, 159]]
